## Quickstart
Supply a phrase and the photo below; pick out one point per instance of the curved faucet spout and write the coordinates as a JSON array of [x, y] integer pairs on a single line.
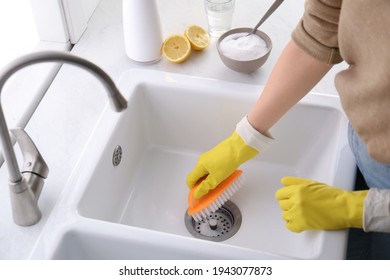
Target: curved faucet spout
[[19, 186]]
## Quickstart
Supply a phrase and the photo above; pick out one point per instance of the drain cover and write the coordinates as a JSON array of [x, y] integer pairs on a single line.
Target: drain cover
[[218, 226]]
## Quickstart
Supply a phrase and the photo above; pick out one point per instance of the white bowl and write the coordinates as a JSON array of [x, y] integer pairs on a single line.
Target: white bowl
[[246, 66]]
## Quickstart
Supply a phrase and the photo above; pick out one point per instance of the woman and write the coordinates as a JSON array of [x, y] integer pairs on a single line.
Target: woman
[[329, 32]]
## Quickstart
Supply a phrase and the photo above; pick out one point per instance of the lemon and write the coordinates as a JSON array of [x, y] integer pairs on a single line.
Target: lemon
[[176, 48], [198, 37]]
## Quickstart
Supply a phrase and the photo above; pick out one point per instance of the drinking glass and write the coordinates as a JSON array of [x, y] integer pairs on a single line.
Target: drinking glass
[[219, 16]]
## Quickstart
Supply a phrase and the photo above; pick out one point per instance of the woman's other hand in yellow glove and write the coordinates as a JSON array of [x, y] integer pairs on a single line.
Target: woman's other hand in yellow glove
[[222, 160], [310, 205]]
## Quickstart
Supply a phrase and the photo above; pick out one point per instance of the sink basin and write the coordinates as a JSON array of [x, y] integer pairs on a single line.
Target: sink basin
[[171, 120]]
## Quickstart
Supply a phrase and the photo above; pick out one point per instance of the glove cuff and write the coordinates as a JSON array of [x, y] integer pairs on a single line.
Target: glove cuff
[[376, 210], [252, 137], [356, 208]]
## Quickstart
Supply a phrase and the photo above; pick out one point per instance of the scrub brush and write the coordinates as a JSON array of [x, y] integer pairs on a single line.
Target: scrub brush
[[200, 208]]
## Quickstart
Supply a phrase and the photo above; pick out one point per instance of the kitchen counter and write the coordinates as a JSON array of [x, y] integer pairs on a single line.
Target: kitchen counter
[[64, 120]]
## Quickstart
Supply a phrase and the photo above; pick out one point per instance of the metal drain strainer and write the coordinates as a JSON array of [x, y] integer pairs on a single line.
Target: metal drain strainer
[[218, 226]]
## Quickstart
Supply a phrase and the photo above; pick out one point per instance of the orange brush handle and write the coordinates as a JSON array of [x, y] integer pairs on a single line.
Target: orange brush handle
[[196, 205]]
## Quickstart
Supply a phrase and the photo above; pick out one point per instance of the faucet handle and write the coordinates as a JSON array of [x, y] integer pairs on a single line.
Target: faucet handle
[[33, 160]]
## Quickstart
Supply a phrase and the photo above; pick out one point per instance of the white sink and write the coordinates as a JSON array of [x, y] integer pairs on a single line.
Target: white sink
[[114, 211]]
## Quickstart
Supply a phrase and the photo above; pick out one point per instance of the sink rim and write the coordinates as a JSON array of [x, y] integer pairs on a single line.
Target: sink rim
[[86, 227]]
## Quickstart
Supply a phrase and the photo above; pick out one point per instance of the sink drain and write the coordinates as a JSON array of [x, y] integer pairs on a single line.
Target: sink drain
[[218, 226]]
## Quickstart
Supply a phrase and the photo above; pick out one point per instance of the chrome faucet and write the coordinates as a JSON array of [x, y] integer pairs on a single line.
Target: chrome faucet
[[25, 187]]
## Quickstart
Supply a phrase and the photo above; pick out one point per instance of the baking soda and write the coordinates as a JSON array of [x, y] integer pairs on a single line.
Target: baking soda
[[238, 46]]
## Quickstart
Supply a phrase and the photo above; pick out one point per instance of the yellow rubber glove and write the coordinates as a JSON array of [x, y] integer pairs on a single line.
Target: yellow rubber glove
[[309, 205], [222, 160]]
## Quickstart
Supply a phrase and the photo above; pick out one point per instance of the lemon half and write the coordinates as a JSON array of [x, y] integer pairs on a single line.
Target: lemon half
[[198, 37], [176, 48]]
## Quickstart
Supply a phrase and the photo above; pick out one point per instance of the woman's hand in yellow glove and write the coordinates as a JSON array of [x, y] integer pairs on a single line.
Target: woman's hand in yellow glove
[[310, 205], [221, 161]]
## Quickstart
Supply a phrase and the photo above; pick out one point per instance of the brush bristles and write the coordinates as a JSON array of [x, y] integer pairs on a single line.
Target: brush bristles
[[218, 203]]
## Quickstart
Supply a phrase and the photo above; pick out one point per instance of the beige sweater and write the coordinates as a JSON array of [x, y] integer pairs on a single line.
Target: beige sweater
[[357, 31]]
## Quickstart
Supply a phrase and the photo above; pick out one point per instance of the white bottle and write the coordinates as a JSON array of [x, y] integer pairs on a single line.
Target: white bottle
[[142, 30]]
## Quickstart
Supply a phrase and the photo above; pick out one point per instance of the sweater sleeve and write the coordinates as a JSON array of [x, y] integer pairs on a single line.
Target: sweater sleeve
[[376, 215], [317, 31]]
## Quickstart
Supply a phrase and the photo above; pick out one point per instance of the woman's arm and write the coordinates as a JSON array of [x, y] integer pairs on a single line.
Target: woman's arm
[[293, 76]]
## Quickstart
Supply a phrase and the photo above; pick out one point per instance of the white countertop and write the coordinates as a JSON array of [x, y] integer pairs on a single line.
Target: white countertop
[[66, 116]]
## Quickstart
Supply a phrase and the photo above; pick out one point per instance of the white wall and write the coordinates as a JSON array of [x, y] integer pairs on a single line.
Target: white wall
[[77, 14]]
